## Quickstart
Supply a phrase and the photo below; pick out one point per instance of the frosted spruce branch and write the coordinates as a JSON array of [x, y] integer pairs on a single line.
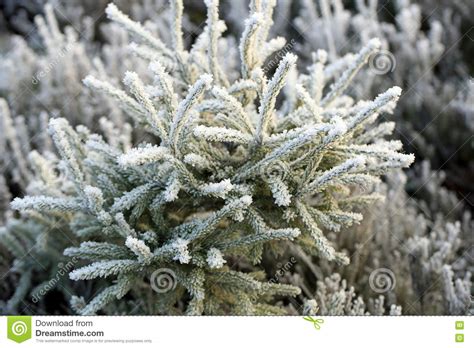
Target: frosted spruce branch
[[215, 169]]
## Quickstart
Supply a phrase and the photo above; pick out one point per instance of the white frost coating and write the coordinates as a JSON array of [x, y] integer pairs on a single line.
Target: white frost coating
[[267, 107], [90, 81], [214, 29], [94, 196], [391, 95], [394, 95], [61, 133], [299, 140], [280, 192], [308, 101], [10, 136], [221, 134], [44, 203], [248, 42], [176, 20], [180, 248], [184, 108], [143, 155], [272, 46], [138, 89], [139, 248], [246, 200], [319, 183], [135, 28], [172, 191], [295, 152], [322, 56], [196, 161], [339, 127], [219, 189], [341, 84], [125, 101], [215, 258], [163, 80]]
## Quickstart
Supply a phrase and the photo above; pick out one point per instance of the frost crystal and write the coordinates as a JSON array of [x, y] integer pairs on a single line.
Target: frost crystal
[[180, 247], [219, 189], [143, 155], [215, 258], [139, 248]]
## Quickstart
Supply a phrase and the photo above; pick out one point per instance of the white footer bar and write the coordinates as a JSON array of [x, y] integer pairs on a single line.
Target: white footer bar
[[229, 332]]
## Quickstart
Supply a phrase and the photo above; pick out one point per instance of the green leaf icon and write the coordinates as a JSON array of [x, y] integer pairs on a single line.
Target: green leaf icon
[[19, 328]]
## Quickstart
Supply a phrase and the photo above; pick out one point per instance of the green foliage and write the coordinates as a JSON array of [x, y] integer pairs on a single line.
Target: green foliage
[[224, 174]]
